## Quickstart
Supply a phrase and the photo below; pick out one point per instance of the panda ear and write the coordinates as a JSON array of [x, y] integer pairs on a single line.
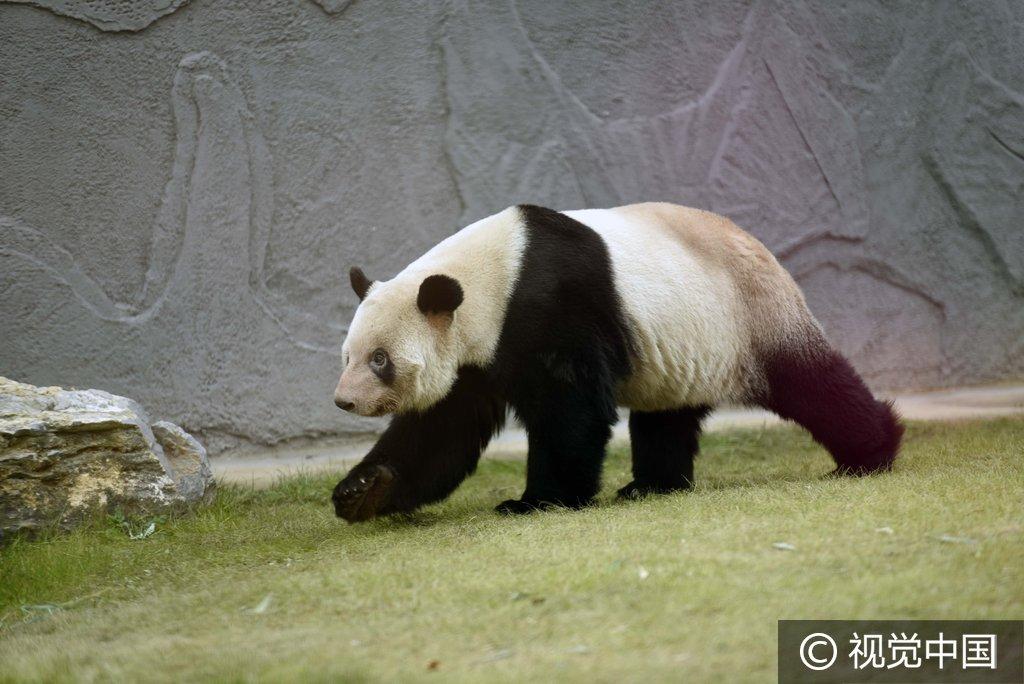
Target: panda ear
[[439, 294], [360, 283]]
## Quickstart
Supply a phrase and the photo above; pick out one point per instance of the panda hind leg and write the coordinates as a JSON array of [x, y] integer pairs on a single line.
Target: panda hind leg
[[663, 444], [819, 389]]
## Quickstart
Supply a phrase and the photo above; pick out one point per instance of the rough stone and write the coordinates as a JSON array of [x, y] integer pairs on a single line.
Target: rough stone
[[187, 460], [110, 15], [180, 203], [66, 455]]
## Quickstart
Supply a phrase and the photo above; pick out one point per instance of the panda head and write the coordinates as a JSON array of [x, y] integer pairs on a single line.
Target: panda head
[[399, 353]]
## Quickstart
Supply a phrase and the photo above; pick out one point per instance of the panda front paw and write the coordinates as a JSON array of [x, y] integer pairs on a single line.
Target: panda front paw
[[362, 492]]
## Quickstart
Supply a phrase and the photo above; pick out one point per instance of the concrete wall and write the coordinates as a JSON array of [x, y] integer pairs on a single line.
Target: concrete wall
[[185, 184]]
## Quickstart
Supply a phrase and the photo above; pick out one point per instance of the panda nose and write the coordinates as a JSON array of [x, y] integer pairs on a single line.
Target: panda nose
[[344, 405]]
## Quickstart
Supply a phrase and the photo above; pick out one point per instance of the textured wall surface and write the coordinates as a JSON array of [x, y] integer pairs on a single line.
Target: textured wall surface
[[184, 184]]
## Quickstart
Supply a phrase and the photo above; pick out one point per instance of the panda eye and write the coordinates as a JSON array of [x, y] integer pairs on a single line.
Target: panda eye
[[379, 358]]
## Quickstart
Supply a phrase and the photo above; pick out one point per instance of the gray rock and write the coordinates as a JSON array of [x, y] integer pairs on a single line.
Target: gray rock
[[187, 458], [67, 455]]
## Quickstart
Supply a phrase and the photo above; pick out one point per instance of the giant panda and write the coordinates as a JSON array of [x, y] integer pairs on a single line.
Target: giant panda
[[564, 316]]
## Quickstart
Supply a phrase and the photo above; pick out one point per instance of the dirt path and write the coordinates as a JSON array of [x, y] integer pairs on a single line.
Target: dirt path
[[264, 466]]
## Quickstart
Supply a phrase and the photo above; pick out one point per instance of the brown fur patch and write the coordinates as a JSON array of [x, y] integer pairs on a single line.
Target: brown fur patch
[[776, 312]]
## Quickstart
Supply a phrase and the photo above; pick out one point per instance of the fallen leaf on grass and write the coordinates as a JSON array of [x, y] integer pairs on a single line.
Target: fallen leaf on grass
[[522, 596], [150, 529], [119, 519], [263, 605], [500, 654], [950, 539]]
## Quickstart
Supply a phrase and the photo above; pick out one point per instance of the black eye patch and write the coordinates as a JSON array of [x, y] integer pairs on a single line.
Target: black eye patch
[[382, 366]]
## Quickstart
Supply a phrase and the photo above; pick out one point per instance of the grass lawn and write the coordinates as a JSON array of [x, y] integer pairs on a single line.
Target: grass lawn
[[268, 584]]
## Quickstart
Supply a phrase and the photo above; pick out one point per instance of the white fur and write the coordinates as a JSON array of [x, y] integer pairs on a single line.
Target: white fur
[[485, 258], [687, 320]]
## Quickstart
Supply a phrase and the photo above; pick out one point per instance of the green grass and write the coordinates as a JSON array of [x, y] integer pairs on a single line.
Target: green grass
[[685, 586]]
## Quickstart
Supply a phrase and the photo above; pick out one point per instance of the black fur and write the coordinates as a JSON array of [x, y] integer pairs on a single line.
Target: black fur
[[439, 294], [360, 283], [563, 348], [819, 389], [422, 457], [664, 444]]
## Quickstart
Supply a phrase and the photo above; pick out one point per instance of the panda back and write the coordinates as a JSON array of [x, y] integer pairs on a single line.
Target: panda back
[[676, 271]]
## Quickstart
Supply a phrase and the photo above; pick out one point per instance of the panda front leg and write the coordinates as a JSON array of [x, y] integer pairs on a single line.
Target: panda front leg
[[567, 433], [423, 457]]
